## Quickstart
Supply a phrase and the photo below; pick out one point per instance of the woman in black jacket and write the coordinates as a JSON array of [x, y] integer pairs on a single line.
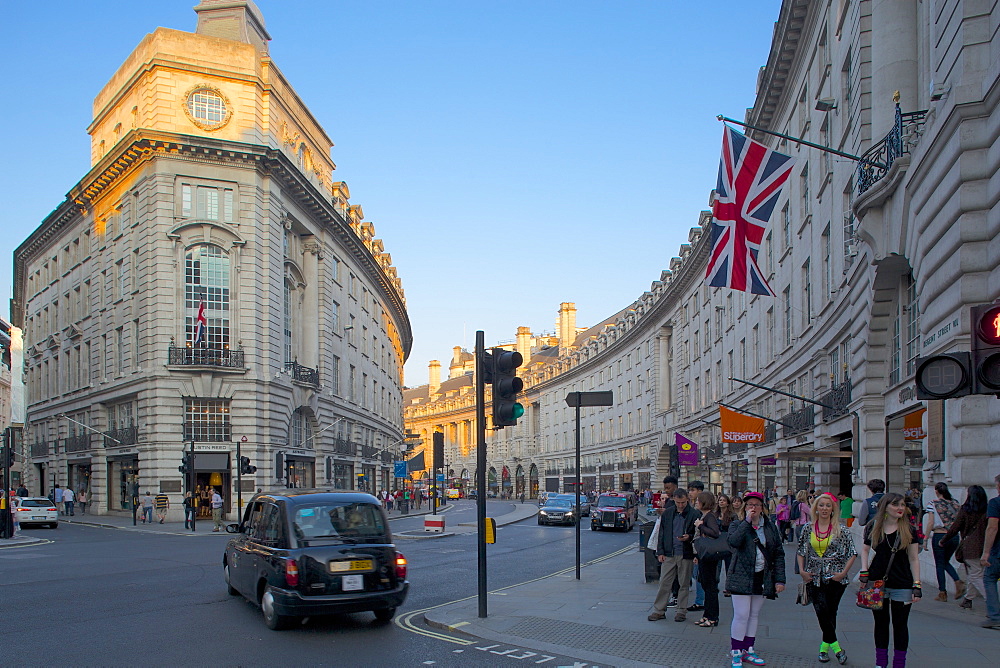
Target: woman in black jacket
[[707, 526], [757, 572]]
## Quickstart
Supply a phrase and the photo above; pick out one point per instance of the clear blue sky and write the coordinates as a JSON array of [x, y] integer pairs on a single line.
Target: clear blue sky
[[581, 134]]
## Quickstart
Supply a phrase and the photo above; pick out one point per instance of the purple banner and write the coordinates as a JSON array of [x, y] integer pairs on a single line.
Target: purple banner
[[768, 461], [687, 451]]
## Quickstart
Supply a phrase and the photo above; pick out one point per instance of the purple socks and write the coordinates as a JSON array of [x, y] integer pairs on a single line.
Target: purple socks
[[747, 643], [899, 658], [882, 656]]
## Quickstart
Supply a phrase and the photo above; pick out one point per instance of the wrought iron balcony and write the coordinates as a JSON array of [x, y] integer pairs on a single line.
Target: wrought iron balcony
[[713, 451], [126, 436], [798, 421], [39, 449], [78, 443], [303, 374], [342, 446], [218, 357], [838, 398], [737, 448], [876, 161], [770, 433], [643, 461]]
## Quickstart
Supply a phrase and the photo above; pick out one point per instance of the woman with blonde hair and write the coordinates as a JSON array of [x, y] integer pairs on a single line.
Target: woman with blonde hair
[[825, 556], [802, 518], [896, 562]]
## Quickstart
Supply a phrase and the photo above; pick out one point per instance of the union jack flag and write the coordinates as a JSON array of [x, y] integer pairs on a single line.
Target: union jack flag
[[201, 324], [750, 180]]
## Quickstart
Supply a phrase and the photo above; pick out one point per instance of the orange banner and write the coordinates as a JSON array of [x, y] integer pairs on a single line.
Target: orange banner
[[740, 428], [913, 425]]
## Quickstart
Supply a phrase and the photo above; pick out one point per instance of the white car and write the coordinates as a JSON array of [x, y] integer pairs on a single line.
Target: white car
[[36, 510]]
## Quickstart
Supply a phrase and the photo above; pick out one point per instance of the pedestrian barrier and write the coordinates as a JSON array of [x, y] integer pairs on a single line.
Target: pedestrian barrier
[[434, 523]]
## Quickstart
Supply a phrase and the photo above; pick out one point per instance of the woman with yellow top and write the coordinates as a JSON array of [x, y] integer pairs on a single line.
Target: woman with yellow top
[[825, 555]]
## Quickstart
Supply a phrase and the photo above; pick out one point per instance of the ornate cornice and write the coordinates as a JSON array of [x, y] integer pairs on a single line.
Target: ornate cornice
[[788, 31]]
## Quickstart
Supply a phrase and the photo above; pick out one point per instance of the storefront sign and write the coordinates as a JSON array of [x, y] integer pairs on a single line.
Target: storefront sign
[[768, 461], [687, 451], [213, 447], [913, 425], [123, 451], [740, 428]]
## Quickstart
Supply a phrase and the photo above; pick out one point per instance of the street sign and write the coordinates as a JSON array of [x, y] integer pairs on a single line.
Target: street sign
[[440, 477], [399, 469]]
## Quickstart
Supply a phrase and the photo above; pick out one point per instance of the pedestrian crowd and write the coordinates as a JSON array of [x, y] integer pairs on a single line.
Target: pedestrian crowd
[[698, 533]]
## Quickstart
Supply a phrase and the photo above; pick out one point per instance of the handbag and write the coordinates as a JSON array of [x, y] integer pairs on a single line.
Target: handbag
[[712, 548], [802, 598], [872, 597], [654, 536]]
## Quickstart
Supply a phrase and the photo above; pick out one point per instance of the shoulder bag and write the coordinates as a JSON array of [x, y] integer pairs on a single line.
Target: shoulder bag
[[802, 598], [872, 596], [712, 548]]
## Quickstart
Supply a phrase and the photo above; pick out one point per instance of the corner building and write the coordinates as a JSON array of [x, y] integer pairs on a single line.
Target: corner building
[[210, 186], [874, 263]]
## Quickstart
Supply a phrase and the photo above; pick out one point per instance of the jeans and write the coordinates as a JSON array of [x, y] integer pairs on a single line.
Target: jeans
[[699, 592], [69, 507], [826, 601], [990, 576], [147, 514], [189, 518], [942, 559]]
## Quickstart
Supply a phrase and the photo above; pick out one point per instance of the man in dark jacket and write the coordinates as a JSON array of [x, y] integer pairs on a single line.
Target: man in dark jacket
[[676, 555], [867, 511]]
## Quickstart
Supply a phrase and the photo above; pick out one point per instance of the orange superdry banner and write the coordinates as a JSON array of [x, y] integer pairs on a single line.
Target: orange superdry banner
[[913, 425], [740, 428]]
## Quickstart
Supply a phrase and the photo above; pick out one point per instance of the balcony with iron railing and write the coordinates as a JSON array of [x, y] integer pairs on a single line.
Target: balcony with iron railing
[[799, 421], [223, 358], [342, 446], [78, 443], [303, 374], [124, 436], [714, 451], [40, 449], [770, 433], [836, 401], [876, 162]]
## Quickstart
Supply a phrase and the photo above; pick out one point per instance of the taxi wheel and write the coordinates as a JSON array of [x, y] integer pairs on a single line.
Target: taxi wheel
[[272, 619], [593, 528], [384, 615]]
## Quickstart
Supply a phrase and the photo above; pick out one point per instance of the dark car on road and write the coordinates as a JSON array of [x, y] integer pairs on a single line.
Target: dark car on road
[[312, 552], [557, 511], [614, 510]]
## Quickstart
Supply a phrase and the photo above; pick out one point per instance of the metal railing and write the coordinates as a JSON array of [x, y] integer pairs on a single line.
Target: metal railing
[[770, 433], [39, 449], [714, 450], [837, 399], [798, 421], [303, 374], [78, 443], [224, 357], [128, 436], [342, 446], [876, 161]]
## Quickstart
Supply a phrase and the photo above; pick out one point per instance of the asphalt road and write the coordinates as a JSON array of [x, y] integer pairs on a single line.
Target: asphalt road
[[98, 596]]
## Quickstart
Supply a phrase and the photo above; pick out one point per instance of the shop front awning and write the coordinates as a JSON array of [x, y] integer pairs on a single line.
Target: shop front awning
[[806, 455]]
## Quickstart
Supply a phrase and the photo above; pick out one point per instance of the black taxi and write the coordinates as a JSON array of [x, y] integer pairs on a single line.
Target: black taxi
[[614, 510], [312, 552]]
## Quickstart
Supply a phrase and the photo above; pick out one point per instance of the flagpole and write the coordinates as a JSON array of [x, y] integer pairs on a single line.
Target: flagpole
[[742, 410], [787, 394], [799, 140]]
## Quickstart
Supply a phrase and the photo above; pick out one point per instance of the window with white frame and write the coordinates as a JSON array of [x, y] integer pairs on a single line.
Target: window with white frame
[[206, 281], [207, 420]]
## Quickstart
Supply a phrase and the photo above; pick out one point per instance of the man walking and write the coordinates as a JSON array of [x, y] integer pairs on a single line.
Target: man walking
[[877, 487], [57, 497], [162, 504], [22, 491], [675, 553], [147, 508], [216, 509], [68, 499], [189, 510], [991, 561]]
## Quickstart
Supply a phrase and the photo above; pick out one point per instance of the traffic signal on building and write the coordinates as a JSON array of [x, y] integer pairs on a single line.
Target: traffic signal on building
[[506, 386], [944, 376], [186, 463], [245, 467], [986, 349]]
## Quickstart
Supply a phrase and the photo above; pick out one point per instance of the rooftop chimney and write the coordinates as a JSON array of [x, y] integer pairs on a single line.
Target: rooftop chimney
[[434, 377], [567, 324], [524, 343]]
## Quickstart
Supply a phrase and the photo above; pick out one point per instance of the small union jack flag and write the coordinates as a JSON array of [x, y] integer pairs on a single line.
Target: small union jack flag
[[750, 180], [201, 324]]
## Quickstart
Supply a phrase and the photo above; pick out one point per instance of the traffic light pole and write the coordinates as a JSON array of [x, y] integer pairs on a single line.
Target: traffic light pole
[[239, 481], [191, 486], [481, 465]]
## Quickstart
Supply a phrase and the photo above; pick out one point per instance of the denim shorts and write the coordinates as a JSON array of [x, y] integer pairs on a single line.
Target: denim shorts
[[901, 595]]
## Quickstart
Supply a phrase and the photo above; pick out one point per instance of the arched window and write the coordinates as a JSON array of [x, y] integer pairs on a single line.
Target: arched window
[[206, 281]]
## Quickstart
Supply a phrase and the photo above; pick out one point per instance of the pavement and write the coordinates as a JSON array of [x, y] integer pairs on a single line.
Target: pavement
[[601, 619]]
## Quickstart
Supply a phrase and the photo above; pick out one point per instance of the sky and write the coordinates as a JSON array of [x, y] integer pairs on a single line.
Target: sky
[[512, 155]]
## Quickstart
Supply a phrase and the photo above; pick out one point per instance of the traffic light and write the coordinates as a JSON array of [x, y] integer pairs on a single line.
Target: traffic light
[[986, 349], [186, 462], [506, 410], [944, 376], [245, 467]]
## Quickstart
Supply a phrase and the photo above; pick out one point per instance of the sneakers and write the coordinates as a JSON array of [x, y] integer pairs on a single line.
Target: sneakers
[[967, 604], [824, 657], [841, 657], [672, 603], [737, 655], [655, 616], [959, 589], [750, 656]]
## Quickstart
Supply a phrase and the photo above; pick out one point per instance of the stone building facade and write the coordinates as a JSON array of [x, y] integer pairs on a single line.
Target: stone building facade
[[874, 263], [210, 194]]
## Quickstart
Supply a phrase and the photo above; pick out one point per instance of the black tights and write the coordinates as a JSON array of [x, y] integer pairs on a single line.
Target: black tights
[[826, 601], [900, 613]]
